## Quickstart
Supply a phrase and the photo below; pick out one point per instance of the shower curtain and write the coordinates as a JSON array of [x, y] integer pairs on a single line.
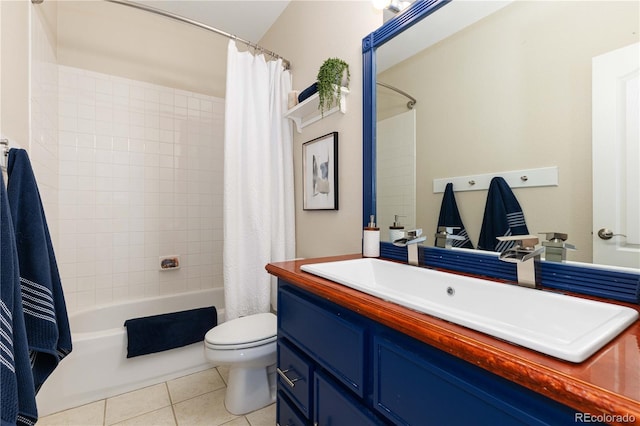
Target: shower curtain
[[259, 213]]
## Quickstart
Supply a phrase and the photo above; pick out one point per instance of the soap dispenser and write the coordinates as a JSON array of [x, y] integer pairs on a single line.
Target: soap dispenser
[[396, 231], [371, 239]]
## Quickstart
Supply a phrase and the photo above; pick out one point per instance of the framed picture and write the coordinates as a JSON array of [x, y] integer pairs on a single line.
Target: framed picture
[[320, 173]]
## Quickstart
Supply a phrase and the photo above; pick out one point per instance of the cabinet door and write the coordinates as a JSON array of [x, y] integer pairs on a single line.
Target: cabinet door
[[332, 336], [335, 406], [418, 385]]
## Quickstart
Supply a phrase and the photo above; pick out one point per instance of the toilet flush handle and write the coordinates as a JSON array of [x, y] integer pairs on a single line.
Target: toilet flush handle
[[283, 374]]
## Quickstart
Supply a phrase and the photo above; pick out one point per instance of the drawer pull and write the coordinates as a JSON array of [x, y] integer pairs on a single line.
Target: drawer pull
[[283, 374]]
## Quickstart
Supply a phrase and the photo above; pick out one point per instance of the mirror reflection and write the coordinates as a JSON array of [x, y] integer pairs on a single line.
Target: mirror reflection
[[510, 91]]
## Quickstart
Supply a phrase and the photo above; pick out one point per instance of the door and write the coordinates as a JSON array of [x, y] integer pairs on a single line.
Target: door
[[616, 157]]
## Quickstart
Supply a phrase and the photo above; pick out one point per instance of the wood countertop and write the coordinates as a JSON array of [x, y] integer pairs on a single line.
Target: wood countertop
[[607, 384]]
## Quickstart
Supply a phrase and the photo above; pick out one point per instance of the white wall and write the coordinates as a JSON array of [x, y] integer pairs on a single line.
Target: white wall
[[140, 177], [119, 40]]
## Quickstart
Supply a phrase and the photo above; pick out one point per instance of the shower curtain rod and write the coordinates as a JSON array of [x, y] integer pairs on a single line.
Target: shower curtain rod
[[410, 104], [170, 15], [173, 16]]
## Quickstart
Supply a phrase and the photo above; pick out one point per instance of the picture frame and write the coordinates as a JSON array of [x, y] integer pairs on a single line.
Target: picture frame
[[320, 173]]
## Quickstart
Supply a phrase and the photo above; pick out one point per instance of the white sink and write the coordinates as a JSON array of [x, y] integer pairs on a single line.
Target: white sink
[[566, 327]]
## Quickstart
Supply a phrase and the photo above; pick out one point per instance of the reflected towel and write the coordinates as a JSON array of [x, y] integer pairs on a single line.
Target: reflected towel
[[450, 217], [16, 379], [158, 333], [43, 304], [503, 217]]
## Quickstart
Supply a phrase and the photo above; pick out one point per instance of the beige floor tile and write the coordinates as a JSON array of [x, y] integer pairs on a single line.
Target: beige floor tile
[[224, 372], [193, 385], [161, 417], [85, 415], [133, 404], [240, 421], [206, 410], [264, 417]]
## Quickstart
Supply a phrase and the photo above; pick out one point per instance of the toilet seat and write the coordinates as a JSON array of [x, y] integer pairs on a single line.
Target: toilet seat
[[242, 333]]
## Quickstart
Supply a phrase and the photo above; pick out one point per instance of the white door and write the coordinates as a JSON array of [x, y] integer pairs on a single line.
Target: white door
[[616, 157]]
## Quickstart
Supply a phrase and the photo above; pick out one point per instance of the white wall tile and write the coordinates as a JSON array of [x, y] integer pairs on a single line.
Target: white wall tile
[[138, 179]]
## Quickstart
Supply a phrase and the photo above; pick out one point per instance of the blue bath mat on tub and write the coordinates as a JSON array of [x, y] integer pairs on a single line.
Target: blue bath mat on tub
[[168, 331]]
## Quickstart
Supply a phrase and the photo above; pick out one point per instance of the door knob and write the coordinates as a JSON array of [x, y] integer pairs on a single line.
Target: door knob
[[607, 234]]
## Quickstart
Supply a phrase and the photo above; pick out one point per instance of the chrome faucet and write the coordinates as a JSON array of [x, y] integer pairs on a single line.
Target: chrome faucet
[[556, 246], [445, 236], [526, 257], [411, 243]]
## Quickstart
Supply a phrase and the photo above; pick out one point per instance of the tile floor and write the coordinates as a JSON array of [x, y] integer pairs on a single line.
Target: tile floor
[[196, 399]]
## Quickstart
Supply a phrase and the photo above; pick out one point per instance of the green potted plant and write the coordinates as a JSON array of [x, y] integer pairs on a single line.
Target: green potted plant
[[333, 74]]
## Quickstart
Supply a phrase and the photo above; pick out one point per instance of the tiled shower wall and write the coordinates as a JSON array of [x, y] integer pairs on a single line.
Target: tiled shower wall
[[140, 177], [43, 146]]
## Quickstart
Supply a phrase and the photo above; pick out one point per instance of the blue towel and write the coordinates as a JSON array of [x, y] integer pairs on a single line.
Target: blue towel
[[503, 217], [308, 92], [450, 216], [16, 380], [43, 304], [168, 331]]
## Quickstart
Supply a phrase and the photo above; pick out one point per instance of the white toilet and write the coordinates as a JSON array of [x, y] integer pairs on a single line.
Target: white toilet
[[248, 346]]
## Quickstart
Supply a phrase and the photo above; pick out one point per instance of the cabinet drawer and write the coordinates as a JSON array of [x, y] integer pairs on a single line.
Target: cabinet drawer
[[335, 406], [328, 335], [287, 415], [294, 377]]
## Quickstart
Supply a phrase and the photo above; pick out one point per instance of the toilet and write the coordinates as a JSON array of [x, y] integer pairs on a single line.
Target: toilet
[[248, 346]]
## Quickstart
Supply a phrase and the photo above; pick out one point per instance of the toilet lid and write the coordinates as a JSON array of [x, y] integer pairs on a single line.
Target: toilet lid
[[243, 332]]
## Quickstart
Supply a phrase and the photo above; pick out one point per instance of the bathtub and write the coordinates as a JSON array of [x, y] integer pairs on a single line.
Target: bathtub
[[98, 367]]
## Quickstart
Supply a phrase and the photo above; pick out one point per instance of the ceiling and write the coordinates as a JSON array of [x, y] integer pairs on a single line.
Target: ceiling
[[247, 19]]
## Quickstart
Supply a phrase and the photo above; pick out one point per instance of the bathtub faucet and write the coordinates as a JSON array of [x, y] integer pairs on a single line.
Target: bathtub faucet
[[411, 243], [526, 257]]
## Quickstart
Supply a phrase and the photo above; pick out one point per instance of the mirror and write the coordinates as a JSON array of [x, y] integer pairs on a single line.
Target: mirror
[[500, 86]]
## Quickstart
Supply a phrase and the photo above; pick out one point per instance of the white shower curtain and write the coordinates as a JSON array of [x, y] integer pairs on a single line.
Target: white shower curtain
[[259, 211]]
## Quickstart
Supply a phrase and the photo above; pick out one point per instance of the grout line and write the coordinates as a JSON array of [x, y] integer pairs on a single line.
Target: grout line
[[104, 413]]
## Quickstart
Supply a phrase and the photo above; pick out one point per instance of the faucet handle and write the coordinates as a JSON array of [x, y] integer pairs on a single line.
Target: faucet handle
[[555, 236], [524, 241], [414, 233]]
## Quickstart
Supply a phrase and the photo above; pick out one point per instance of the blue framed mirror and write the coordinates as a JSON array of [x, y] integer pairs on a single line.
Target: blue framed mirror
[[408, 18], [474, 262]]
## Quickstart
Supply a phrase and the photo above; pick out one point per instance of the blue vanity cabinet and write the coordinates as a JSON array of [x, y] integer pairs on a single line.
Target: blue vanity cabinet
[[322, 359], [359, 372]]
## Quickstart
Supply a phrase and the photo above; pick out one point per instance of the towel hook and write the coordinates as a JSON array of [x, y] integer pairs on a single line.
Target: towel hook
[[472, 182], [524, 178]]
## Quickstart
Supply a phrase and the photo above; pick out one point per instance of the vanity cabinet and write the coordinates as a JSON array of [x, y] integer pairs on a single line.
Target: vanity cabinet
[[337, 367]]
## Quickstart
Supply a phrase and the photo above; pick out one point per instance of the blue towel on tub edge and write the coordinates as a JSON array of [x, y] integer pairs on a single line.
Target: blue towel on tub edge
[[158, 333]]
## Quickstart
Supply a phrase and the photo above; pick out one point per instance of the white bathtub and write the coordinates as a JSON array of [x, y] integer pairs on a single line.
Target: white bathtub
[[98, 367]]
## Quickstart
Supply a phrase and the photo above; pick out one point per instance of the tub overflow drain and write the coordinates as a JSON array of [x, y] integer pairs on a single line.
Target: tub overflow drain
[[451, 291]]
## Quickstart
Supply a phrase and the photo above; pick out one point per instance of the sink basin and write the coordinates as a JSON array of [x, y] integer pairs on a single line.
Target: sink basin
[[566, 327]]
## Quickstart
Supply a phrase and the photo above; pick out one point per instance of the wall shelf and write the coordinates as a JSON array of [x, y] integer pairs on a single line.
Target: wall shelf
[[308, 111]]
